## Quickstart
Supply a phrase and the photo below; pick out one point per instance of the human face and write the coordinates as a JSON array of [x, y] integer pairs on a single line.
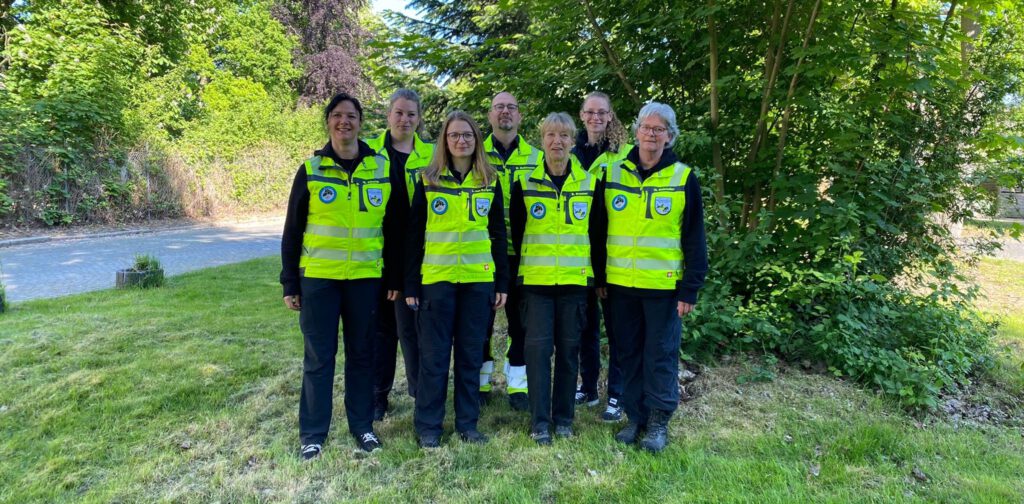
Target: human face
[[595, 115], [403, 119], [556, 142], [504, 113], [652, 135], [461, 142], [343, 124]]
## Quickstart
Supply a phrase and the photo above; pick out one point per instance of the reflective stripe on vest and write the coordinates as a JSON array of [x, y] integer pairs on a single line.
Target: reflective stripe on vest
[[344, 238], [556, 243], [521, 161], [457, 245], [419, 158], [644, 225]]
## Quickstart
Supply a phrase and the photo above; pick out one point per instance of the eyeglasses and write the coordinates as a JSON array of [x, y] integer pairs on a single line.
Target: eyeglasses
[[455, 137], [653, 130], [500, 107], [598, 113]]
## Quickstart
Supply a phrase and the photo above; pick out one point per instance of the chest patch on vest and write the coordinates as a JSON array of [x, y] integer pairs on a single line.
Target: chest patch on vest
[[538, 210], [483, 206], [663, 205], [579, 209], [439, 205], [376, 196], [328, 194], [618, 202]]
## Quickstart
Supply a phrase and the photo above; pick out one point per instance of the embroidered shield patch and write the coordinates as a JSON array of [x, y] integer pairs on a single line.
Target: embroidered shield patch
[[579, 209], [619, 202], [483, 206], [538, 210], [376, 196], [439, 205], [327, 194], [663, 205]]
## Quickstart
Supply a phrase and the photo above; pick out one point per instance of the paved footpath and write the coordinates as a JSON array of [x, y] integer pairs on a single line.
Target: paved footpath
[[71, 265]]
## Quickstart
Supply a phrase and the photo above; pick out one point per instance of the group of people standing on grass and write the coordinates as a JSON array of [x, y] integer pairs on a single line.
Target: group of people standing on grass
[[420, 244]]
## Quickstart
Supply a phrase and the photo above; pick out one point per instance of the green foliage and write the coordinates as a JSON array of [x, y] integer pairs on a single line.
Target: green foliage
[[837, 133], [145, 262]]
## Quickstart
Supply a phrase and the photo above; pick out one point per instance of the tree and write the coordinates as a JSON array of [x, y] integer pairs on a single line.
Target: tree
[[330, 38], [832, 133]]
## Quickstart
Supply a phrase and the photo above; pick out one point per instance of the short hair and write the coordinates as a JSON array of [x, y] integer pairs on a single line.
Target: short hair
[[343, 97], [665, 113], [558, 120]]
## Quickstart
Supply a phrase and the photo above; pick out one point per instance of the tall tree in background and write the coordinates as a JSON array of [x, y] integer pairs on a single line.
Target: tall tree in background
[[330, 38]]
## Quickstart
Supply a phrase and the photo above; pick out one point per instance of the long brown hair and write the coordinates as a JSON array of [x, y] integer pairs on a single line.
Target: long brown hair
[[442, 158], [615, 132]]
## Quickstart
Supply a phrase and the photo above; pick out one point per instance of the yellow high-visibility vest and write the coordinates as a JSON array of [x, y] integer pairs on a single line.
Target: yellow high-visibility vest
[[419, 158], [644, 225], [344, 237], [601, 164], [521, 161], [457, 244], [556, 243]]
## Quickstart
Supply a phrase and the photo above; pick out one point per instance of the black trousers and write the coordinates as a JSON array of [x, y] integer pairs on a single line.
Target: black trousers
[[396, 324], [514, 354], [648, 331], [553, 324], [590, 349], [452, 317], [323, 302]]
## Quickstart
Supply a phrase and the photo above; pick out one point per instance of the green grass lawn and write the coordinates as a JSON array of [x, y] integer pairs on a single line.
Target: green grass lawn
[[189, 393]]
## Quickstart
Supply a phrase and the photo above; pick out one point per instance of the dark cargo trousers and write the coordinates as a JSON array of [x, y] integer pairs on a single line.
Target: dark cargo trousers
[[452, 319], [553, 324], [648, 330], [590, 349], [396, 325], [323, 302]]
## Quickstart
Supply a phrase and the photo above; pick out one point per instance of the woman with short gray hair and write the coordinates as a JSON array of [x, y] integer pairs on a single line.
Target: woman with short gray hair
[[657, 260]]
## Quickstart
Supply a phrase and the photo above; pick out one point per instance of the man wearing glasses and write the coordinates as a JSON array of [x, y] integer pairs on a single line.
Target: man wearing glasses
[[511, 156]]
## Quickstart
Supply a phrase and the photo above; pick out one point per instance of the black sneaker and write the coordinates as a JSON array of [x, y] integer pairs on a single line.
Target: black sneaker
[[519, 401], [310, 451], [368, 442], [541, 437], [563, 431], [430, 441], [380, 408], [586, 398], [612, 412], [473, 436]]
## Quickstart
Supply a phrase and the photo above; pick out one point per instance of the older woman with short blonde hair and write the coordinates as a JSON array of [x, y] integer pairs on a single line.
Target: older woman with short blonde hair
[[551, 210]]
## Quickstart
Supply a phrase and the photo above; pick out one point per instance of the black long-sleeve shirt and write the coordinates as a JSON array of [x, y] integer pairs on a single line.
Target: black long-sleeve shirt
[[395, 215], [693, 240], [417, 229], [598, 233]]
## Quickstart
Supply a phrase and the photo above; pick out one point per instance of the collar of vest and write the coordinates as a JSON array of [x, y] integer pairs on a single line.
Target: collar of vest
[[471, 179], [327, 152], [420, 149], [631, 167], [522, 148], [540, 175]]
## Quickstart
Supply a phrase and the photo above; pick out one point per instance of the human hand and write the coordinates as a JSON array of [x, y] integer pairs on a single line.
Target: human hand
[[682, 309], [499, 300], [293, 302]]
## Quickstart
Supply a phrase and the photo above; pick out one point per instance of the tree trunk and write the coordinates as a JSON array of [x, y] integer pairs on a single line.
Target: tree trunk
[[716, 143], [613, 59]]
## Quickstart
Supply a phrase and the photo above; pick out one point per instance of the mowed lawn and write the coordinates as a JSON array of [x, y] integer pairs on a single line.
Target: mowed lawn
[[189, 393]]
